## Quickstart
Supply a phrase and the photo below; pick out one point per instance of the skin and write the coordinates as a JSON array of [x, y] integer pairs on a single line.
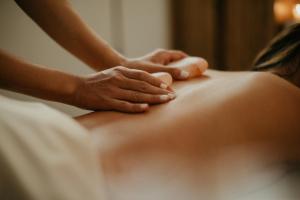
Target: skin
[[285, 71], [121, 84], [222, 129]]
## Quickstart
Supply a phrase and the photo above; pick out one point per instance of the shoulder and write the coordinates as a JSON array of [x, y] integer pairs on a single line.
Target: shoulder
[[257, 86], [267, 82], [260, 94], [270, 93]]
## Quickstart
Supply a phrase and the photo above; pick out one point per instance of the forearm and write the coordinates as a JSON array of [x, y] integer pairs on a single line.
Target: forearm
[[64, 25], [20, 76]]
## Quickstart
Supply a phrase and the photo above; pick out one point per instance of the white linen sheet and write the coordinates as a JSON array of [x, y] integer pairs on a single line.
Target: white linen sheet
[[45, 154]]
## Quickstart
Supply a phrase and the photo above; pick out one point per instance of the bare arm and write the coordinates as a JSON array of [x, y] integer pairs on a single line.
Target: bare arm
[[119, 88], [20, 76], [64, 25]]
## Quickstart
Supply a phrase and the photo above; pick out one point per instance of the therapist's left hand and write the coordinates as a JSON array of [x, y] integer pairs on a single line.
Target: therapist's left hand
[[157, 61]]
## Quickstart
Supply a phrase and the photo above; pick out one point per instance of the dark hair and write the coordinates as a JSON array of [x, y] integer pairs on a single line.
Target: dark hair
[[282, 54]]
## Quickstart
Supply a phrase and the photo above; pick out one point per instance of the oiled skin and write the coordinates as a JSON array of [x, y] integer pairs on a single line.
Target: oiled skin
[[221, 130]]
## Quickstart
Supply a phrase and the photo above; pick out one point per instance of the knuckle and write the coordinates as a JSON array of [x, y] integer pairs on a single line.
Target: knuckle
[[133, 107], [155, 98], [144, 86], [107, 81], [106, 103], [141, 75], [163, 54], [124, 105], [175, 71], [118, 77], [135, 96], [159, 52], [119, 68], [129, 107]]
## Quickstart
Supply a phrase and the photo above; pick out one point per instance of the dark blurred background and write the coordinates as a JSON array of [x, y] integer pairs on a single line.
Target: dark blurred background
[[229, 33]]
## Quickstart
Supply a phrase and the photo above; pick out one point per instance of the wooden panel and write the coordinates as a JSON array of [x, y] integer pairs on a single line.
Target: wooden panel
[[229, 33], [249, 25], [194, 27]]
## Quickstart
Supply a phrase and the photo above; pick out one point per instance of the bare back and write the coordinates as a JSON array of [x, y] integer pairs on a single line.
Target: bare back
[[218, 125]]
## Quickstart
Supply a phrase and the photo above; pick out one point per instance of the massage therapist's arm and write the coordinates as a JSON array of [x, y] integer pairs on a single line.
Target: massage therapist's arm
[[117, 88], [65, 26]]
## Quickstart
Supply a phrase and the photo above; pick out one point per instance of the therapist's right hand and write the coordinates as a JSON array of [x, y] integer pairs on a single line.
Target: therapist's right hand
[[121, 89]]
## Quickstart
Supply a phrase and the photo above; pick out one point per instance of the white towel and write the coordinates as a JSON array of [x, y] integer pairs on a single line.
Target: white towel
[[45, 154]]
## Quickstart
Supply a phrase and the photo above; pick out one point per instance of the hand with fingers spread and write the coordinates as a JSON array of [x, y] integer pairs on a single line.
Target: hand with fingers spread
[[157, 61], [121, 89]]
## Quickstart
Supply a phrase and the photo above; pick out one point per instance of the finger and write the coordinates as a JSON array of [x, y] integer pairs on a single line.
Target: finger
[[176, 73], [164, 57], [143, 76], [128, 107], [142, 86], [164, 76], [139, 97], [176, 55]]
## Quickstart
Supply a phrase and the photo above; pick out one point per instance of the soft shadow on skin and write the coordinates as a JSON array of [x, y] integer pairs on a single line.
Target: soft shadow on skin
[[115, 116], [203, 77], [104, 120]]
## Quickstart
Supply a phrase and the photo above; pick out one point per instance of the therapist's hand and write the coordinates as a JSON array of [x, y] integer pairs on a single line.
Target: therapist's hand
[[121, 89], [157, 61]]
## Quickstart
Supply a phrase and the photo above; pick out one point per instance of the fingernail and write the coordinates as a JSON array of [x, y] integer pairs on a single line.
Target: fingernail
[[144, 106], [184, 74], [164, 97], [163, 86], [172, 96]]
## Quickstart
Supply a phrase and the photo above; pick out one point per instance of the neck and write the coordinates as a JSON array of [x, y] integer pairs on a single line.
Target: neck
[[289, 73]]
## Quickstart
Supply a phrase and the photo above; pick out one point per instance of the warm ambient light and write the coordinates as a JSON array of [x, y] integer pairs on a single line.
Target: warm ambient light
[[296, 12], [282, 11], [287, 11]]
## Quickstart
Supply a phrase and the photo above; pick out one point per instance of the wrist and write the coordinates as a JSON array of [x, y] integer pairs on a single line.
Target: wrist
[[70, 90], [121, 61], [109, 60], [133, 63]]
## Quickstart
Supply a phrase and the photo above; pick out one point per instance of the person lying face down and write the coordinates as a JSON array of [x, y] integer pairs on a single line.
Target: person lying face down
[[227, 135]]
